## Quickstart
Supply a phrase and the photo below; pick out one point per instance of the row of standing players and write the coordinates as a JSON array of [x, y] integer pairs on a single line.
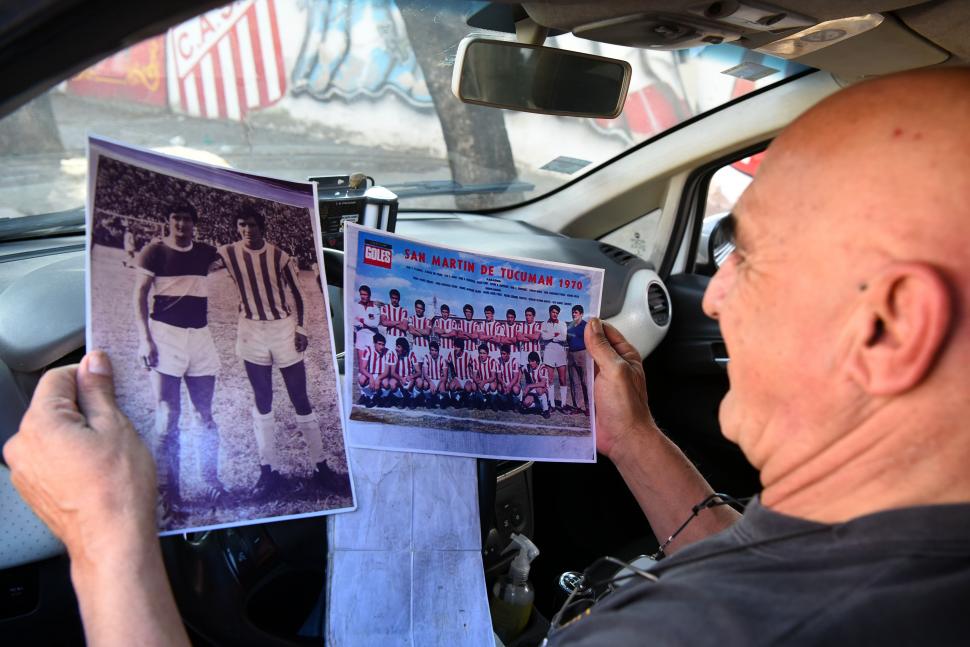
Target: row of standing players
[[443, 361]]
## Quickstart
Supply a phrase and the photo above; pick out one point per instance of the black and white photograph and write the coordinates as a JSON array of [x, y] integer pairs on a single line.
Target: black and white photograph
[[450, 351], [204, 288]]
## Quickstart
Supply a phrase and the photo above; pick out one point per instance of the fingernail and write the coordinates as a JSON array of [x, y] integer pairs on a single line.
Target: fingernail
[[98, 363], [596, 325]]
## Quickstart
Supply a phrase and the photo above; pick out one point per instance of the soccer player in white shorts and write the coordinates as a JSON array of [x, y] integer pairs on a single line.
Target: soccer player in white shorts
[[271, 334], [175, 344], [537, 385], [553, 336], [491, 331], [434, 370], [527, 335], [365, 316], [405, 379], [486, 376], [509, 377], [419, 328], [462, 368]]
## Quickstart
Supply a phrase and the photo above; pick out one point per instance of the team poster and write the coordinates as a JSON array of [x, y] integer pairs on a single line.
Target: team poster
[[204, 289], [454, 352]]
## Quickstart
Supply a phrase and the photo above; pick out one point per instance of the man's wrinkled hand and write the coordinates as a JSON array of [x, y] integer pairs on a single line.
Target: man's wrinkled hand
[[77, 461], [300, 342], [620, 388]]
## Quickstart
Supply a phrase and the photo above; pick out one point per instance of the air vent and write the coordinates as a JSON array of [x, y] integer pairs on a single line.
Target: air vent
[[620, 256], [658, 304]]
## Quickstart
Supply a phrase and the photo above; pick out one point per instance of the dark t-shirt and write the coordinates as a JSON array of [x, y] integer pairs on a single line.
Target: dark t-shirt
[[181, 297], [893, 578], [574, 335]]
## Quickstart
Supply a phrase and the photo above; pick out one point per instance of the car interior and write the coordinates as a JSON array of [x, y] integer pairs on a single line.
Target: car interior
[[645, 207]]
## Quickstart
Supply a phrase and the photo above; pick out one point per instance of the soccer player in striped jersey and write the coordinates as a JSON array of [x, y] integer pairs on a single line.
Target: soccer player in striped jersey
[[446, 329], [373, 371], [493, 333], [419, 327], [175, 344], [404, 378], [434, 370], [486, 376], [394, 317], [271, 333], [538, 380], [462, 368], [468, 327], [527, 335], [509, 377]]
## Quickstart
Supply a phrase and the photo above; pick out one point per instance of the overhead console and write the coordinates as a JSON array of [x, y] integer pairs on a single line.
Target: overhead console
[[837, 37]]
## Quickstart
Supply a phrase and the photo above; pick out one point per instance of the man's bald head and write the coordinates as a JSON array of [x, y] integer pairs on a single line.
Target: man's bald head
[[842, 308], [891, 154]]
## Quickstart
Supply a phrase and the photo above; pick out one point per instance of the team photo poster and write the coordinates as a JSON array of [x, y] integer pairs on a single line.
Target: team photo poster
[[204, 288], [456, 352]]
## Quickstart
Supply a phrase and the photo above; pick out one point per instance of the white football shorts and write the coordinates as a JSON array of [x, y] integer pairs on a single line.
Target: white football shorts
[[184, 351], [268, 343]]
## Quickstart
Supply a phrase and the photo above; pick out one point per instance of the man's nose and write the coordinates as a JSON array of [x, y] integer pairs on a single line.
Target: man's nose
[[717, 288]]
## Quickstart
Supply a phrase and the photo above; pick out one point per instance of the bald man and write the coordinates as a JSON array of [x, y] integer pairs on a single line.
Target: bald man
[[844, 311]]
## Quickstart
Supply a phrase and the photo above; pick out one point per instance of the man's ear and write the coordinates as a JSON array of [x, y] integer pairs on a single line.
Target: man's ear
[[899, 329]]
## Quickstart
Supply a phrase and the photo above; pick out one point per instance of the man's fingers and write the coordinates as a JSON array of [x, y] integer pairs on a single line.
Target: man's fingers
[[620, 345], [11, 451], [95, 389], [598, 345], [57, 384]]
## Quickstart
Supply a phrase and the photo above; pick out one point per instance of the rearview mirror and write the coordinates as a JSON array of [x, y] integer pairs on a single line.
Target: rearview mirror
[[532, 78]]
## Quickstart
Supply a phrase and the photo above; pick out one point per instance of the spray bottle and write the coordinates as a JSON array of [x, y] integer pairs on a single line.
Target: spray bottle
[[512, 594]]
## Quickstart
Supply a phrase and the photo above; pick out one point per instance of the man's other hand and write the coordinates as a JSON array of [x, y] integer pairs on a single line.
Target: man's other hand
[[78, 462], [620, 387], [300, 342]]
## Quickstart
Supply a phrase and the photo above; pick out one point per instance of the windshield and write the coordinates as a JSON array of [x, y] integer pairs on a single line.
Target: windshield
[[300, 88]]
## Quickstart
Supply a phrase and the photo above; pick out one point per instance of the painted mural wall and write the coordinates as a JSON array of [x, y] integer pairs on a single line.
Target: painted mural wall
[[317, 61]]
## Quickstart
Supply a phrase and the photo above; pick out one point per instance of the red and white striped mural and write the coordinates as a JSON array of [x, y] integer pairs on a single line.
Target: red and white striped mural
[[228, 61]]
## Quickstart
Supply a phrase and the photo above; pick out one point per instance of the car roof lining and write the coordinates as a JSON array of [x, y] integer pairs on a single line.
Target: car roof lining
[[916, 33]]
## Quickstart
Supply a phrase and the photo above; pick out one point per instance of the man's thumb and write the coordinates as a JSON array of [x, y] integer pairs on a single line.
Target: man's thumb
[[95, 387], [597, 344]]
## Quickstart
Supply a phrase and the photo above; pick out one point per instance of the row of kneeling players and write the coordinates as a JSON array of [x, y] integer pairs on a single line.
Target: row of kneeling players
[[457, 378]]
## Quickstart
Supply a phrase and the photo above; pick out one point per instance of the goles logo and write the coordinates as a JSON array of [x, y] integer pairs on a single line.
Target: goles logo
[[378, 254]]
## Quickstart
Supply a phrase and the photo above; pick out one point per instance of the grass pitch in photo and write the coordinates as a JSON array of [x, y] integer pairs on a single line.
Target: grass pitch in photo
[[204, 289], [455, 352]]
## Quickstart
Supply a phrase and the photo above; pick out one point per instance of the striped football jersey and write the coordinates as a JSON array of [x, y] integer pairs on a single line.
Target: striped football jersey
[[509, 371], [446, 325], [393, 314], [486, 367], [525, 328], [375, 362], [407, 366], [490, 328], [463, 366], [436, 369], [261, 278], [421, 323]]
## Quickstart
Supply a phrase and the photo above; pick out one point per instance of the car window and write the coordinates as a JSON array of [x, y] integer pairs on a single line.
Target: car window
[[296, 88], [726, 186]]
